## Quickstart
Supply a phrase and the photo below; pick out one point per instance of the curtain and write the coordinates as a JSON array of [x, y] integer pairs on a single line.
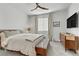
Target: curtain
[[36, 24], [50, 26]]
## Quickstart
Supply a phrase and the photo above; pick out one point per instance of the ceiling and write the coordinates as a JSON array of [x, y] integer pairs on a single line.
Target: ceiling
[[26, 7]]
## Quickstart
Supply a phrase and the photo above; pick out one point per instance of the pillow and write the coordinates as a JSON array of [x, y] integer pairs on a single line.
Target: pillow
[[10, 33]]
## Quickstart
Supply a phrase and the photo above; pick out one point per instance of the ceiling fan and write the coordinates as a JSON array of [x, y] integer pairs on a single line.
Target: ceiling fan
[[38, 6]]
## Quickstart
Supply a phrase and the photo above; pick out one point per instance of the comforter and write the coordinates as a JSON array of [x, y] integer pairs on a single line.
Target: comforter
[[25, 43]]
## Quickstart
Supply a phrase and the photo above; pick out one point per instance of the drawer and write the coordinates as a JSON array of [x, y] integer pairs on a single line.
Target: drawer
[[70, 38], [70, 44]]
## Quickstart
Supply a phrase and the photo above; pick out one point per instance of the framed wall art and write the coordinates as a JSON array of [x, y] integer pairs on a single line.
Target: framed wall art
[[56, 24]]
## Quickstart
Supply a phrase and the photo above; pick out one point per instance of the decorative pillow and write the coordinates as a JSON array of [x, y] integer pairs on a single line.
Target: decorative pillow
[[10, 33]]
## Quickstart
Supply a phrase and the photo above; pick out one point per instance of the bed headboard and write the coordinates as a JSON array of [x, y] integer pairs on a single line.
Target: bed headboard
[[9, 32]]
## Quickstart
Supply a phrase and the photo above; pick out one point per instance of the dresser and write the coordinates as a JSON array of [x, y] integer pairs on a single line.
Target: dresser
[[70, 41], [62, 38]]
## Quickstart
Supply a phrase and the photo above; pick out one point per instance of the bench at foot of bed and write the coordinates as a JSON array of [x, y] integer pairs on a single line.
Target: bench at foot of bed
[[41, 51]]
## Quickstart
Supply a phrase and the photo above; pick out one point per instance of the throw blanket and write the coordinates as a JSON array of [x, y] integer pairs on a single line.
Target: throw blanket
[[25, 43]]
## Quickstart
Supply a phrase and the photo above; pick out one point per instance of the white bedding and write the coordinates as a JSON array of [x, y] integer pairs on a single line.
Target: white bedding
[[25, 43]]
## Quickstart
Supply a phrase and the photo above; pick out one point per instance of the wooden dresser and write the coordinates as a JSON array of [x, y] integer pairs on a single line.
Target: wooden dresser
[[70, 41], [62, 38]]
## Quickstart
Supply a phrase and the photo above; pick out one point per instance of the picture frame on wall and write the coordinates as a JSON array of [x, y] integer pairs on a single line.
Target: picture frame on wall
[[56, 24]]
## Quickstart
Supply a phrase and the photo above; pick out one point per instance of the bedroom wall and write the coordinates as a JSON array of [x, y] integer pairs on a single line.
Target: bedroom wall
[[56, 16], [31, 21], [72, 9], [60, 16], [11, 17]]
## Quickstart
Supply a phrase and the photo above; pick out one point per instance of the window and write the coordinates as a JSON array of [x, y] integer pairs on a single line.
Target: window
[[42, 24]]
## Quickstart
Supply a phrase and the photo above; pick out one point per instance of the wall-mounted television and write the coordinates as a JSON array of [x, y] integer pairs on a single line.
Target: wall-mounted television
[[72, 21]]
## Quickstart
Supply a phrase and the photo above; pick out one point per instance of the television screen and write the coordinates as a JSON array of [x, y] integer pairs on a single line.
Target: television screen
[[72, 21]]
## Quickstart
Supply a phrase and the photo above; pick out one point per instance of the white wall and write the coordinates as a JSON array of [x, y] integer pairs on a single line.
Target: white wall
[[62, 17], [31, 23], [74, 7], [11, 17], [56, 16]]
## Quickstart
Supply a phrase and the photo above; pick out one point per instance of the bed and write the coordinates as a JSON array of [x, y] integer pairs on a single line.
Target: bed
[[25, 43]]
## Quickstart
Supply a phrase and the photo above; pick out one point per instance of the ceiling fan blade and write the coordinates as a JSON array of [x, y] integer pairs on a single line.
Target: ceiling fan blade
[[43, 8], [37, 4], [34, 8]]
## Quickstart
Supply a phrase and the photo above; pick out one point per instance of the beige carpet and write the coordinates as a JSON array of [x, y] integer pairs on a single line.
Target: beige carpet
[[57, 49], [54, 49], [9, 53]]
